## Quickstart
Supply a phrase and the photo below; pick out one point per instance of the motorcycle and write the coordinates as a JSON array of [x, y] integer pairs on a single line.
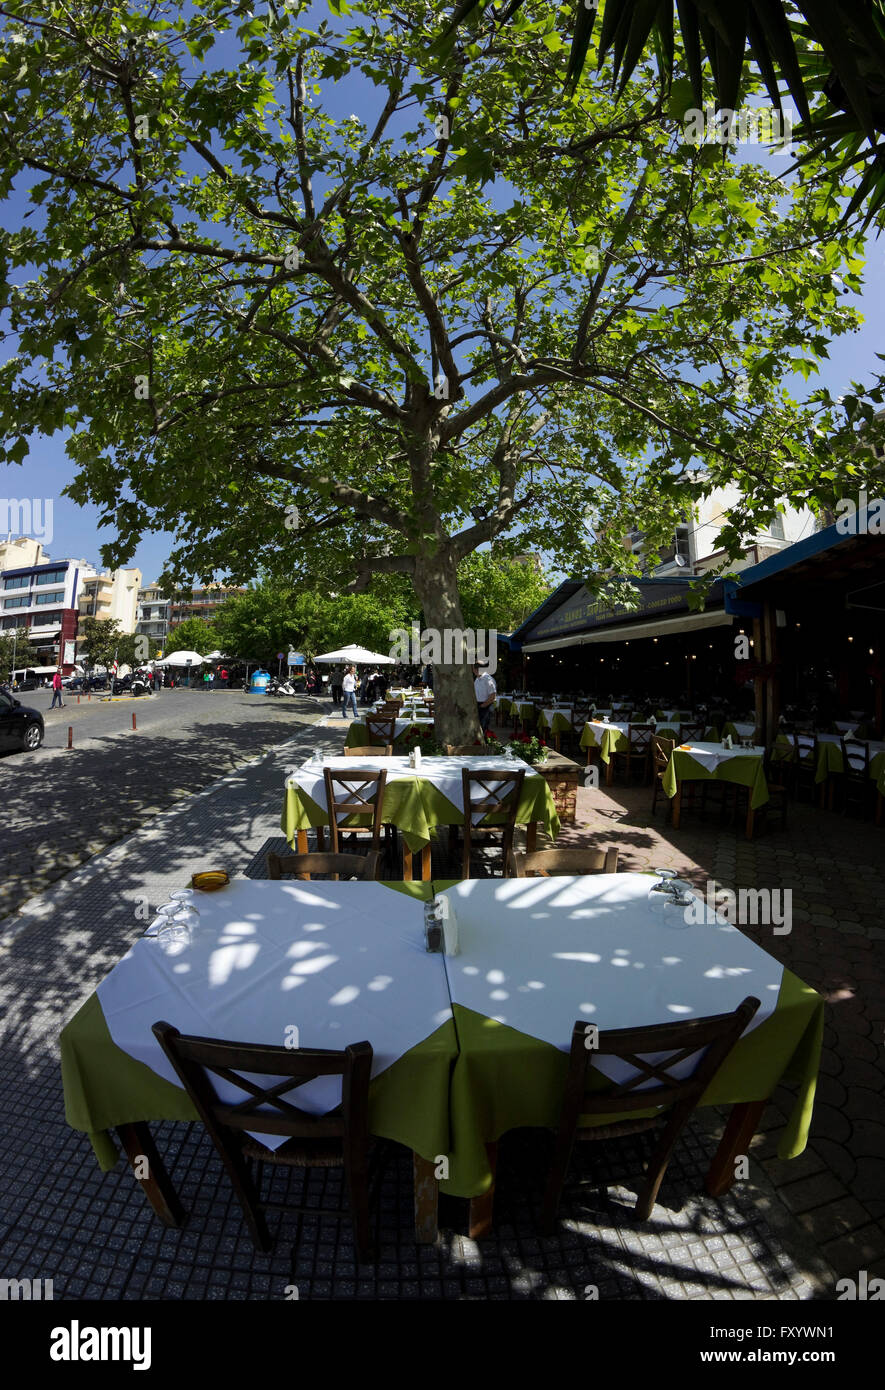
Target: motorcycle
[[140, 686], [286, 688]]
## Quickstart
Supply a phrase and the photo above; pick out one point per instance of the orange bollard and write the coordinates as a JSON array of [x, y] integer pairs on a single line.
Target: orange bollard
[[133, 719], [70, 735], [78, 699]]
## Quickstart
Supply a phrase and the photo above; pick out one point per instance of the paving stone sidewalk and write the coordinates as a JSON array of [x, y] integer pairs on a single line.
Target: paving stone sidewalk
[[94, 1235], [58, 809]]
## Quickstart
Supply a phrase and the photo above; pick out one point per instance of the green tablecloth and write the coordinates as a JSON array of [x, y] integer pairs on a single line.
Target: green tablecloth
[[829, 760], [415, 806], [105, 1087], [742, 771], [561, 723], [522, 709], [504, 1079]]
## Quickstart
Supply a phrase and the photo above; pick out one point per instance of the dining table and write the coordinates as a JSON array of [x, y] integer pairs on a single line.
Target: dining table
[[466, 1045], [830, 760], [702, 761], [338, 963], [536, 955], [357, 735], [417, 800]]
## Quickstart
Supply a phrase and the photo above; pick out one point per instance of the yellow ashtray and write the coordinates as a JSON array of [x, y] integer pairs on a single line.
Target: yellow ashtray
[[210, 880]]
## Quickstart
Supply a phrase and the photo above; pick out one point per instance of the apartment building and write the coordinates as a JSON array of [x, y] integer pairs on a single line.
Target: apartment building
[[201, 602], [42, 601], [154, 609], [695, 549]]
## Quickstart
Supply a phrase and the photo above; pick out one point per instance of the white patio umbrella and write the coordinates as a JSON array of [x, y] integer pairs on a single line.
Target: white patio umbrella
[[356, 656], [182, 659]]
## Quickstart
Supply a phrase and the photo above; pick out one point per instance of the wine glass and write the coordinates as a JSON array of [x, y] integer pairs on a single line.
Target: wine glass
[[164, 916]]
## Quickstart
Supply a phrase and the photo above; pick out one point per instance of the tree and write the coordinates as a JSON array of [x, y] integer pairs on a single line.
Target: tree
[[342, 349], [498, 592], [101, 639], [13, 655], [834, 63], [275, 616], [192, 635]]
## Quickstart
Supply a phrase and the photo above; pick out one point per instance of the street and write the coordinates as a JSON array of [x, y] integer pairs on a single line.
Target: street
[[60, 807]]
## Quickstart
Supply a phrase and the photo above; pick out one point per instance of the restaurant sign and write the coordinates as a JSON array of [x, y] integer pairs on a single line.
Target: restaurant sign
[[584, 612]]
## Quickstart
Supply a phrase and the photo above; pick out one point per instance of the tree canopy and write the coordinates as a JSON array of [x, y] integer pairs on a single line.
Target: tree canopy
[[192, 635], [346, 348]]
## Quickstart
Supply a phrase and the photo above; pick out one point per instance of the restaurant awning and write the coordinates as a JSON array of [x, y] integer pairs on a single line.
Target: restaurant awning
[[572, 616]]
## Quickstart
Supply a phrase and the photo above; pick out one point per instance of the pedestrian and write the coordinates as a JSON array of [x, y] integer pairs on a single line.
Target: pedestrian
[[207, 682], [336, 684], [56, 690], [427, 676], [348, 686], [224, 677], [486, 693]]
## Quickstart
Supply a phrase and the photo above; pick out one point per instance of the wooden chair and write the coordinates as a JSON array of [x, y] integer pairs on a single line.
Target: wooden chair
[[369, 750], [854, 779], [500, 795], [381, 729], [339, 1139], [692, 732], [803, 764], [307, 866], [638, 751], [469, 750], [713, 1038], [547, 862], [661, 752], [358, 800]]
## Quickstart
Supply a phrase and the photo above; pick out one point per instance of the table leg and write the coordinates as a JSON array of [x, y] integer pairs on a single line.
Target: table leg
[[425, 863], [609, 771], [301, 840], [482, 1208], [677, 806], [407, 863], [156, 1184], [426, 1199], [531, 836], [750, 818], [879, 802], [739, 1130]]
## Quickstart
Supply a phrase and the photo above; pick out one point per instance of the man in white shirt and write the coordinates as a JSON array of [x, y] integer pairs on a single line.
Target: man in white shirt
[[349, 688], [486, 693]]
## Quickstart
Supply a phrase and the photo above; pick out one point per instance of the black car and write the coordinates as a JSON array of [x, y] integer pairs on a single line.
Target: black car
[[20, 726]]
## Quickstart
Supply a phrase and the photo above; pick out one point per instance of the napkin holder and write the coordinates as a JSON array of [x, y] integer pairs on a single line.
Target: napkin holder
[[415, 757], [449, 926]]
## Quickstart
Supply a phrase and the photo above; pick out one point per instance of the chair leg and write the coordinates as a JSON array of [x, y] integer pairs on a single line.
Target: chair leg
[[465, 853], [555, 1181], [659, 1161], [357, 1184], [249, 1198]]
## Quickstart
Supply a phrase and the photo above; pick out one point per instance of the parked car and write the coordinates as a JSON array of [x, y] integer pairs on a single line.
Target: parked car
[[20, 725]]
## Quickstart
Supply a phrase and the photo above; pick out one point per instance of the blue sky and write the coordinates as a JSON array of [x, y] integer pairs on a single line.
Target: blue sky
[[76, 531]]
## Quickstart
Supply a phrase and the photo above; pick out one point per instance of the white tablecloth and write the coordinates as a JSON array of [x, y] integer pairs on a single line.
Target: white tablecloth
[[710, 755], [600, 726], [537, 954], [567, 711], [342, 962]]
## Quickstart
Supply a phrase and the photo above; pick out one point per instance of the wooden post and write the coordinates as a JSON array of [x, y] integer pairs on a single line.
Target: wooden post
[[772, 684]]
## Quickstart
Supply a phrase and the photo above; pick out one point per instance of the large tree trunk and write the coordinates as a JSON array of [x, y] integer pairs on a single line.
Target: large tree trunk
[[436, 584]]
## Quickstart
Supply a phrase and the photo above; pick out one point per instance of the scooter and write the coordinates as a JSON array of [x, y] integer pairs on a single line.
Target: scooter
[[285, 688], [140, 687]]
